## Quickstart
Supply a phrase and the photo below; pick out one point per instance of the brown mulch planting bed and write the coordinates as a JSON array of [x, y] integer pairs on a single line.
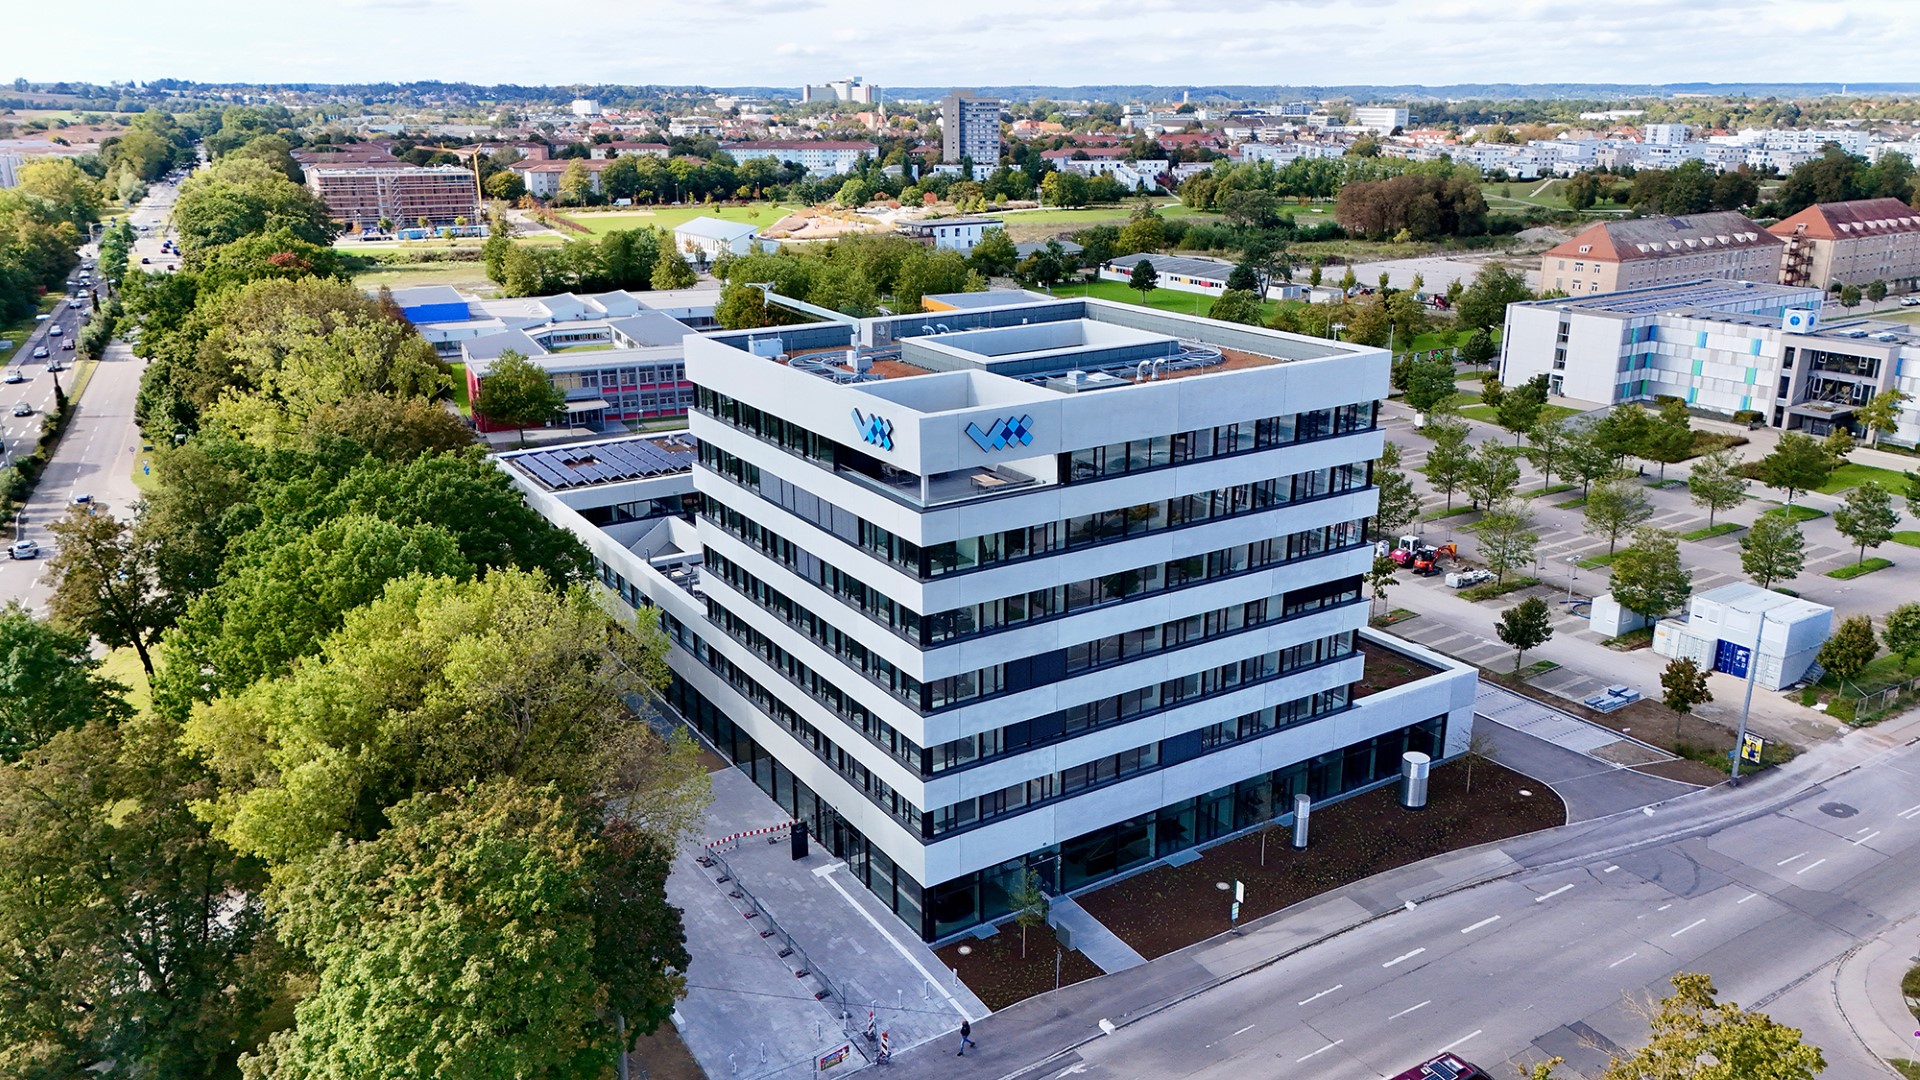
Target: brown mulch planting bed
[[1386, 669], [1650, 722], [1171, 907], [662, 1056], [995, 970]]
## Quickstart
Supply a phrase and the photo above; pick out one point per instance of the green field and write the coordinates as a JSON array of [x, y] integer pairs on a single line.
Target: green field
[[1180, 303], [1535, 194], [471, 276], [600, 222], [1847, 477]]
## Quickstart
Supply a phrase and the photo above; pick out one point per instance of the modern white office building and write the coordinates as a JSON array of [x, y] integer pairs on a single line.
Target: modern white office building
[[1061, 584], [1722, 346], [1381, 119]]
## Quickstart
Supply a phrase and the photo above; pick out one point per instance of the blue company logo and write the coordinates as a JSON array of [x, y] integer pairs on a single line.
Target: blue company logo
[[874, 430], [1001, 434]]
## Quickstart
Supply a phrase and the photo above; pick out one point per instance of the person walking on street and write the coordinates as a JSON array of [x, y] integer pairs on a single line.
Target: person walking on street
[[966, 1037]]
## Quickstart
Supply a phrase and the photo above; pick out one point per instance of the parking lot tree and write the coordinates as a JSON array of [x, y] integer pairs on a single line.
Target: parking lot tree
[[1669, 436], [1691, 1025], [1881, 414], [1526, 625], [517, 392], [1615, 508], [1585, 460], [1773, 550], [1622, 432], [1683, 686], [1450, 459], [1483, 304], [1648, 578], [1839, 445], [1901, 632], [1430, 387], [1399, 502], [49, 683], [1384, 575], [1479, 348], [1492, 390], [1507, 539], [1237, 305], [1851, 648], [1716, 483], [1868, 517], [1492, 474], [1796, 464], [1143, 278], [1520, 407], [1849, 296], [1547, 444], [106, 582]]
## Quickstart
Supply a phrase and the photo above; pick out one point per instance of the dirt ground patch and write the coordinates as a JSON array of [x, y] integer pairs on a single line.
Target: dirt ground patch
[[1171, 907], [995, 970], [1651, 722], [662, 1056]]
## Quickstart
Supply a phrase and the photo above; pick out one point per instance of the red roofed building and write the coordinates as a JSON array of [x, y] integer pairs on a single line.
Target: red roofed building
[[1852, 243], [1637, 252]]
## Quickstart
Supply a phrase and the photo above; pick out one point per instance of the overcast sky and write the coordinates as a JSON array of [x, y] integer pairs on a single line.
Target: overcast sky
[[994, 42]]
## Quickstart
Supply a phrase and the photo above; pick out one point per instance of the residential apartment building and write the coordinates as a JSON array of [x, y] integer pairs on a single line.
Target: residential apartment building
[[956, 233], [1064, 585], [361, 195], [1638, 252], [1722, 346], [970, 128], [820, 157], [543, 177], [1852, 243]]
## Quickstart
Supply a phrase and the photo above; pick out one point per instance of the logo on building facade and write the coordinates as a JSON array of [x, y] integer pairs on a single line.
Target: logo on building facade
[[1002, 434], [874, 431]]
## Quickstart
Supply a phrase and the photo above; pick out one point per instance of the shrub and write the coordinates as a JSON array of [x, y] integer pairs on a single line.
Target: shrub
[[1748, 416]]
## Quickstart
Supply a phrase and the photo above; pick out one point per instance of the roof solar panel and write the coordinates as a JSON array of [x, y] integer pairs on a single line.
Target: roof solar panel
[[597, 463]]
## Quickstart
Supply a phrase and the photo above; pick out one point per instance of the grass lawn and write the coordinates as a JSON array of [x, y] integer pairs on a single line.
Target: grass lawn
[[1848, 573], [1721, 529], [1598, 561], [1545, 194], [1538, 492], [1572, 504], [601, 222], [1796, 514], [1911, 539], [1438, 515], [1178, 303], [1883, 672], [122, 665], [1847, 477], [463, 275], [17, 332], [460, 389]]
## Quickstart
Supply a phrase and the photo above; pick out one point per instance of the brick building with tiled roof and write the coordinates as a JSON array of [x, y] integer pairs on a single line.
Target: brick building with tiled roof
[[1639, 252], [1852, 243]]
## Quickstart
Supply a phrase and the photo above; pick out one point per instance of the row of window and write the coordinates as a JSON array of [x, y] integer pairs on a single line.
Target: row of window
[[613, 378], [1013, 545], [1180, 448], [1133, 644]]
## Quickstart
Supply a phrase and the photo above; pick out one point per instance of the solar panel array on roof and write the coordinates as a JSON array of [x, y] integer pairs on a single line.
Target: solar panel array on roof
[[605, 463]]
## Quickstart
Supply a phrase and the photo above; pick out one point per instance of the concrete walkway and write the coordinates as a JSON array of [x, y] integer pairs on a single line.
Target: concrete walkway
[[751, 1012], [1503, 706], [1092, 938]]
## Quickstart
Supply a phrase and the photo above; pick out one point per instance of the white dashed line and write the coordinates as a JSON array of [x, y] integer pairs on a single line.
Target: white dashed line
[[1611, 869], [1544, 897], [1663, 907], [1461, 1039], [1808, 867], [1242, 1031], [1416, 1008], [1322, 1050], [1746, 898], [1866, 838], [1790, 858], [1909, 813], [1402, 957], [1686, 928], [1483, 922], [1622, 960], [1322, 994]]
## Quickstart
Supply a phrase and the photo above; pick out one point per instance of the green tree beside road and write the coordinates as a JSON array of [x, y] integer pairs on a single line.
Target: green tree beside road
[[1773, 550], [1615, 508], [1796, 464], [1716, 483], [1526, 625], [1648, 578], [1868, 517]]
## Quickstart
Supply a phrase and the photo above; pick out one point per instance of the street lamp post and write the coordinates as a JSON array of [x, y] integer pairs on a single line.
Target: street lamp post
[[1336, 328], [1753, 676], [1572, 561]]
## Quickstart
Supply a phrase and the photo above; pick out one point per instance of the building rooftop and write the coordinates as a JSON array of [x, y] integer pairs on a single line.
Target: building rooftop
[[1703, 297], [983, 299], [1849, 220], [1662, 237], [1750, 598], [427, 295], [1192, 266], [709, 228], [609, 462]]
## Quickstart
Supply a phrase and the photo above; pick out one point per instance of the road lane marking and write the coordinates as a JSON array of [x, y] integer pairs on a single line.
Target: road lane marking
[[1622, 960], [1242, 1031], [1866, 838], [1686, 928], [1808, 867], [1416, 1008], [1611, 869], [1790, 858], [1403, 956], [1910, 812], [1322, 1050], [1483, 922], [1746, 898], [1323, 993], [1461, 1039], [1544, 897], [1663, 907]]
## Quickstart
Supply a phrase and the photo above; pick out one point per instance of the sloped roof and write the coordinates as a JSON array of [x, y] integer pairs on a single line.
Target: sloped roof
[[1850, 220], [1665, 237], [709, 228]]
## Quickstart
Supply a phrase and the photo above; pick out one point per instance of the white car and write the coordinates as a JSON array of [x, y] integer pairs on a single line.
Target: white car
[[54, 331], [14, 376], [23, 549], [21, 408], [1910, 301]]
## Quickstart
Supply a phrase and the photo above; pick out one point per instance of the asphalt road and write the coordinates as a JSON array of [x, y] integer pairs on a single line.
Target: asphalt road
[[1765, 887]]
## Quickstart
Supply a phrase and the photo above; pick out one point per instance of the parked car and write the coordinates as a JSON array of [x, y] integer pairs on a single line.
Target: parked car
[[1910, 301], [23, 549]]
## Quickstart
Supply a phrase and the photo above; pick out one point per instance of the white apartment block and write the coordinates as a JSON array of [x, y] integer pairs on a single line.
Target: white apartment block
[[1065, 585], [1722, 346], [820, 157], [1381, 120]]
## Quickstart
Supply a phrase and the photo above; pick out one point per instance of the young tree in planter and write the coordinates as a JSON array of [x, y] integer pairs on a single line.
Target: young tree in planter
[[1851, 648], [1448, 462], [1507, 538], [1773, 550], [1029, 902], [1669, 438], [1648, 579], [1399, 503], [1526, 625], [1547, 444], [1385, 573], [1716, 483], [1797, 464], [1585, 459], [1901, 633], [1881, 414], [1868, 517], [1615, 508], [1491, 474], [1683, 685], [1519, 408]]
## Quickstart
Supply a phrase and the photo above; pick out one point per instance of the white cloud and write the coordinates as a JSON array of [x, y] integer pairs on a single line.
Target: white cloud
[[1066, 43]]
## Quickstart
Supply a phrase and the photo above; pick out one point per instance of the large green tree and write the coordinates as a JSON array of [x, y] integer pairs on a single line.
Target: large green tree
[[1492, 473], [1868, 517], [1773, 550], [1430, 386], [1797, 463], [1484, 303], [1716, 483], [1450, 460], [482, 934], [516, 391], [1850, 648], [1696, 1036], [1615, 508], [238, 196], [1669, 438], [1507, 539], [1519, 409], [1648, 578], [49, 683], [106, 583]]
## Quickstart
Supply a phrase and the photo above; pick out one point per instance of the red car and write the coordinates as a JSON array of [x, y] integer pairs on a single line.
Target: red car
[[1444, 1067]]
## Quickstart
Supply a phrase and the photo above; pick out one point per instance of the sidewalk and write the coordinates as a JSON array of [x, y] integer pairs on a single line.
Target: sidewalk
[[1092, 938], [1866, 991]]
